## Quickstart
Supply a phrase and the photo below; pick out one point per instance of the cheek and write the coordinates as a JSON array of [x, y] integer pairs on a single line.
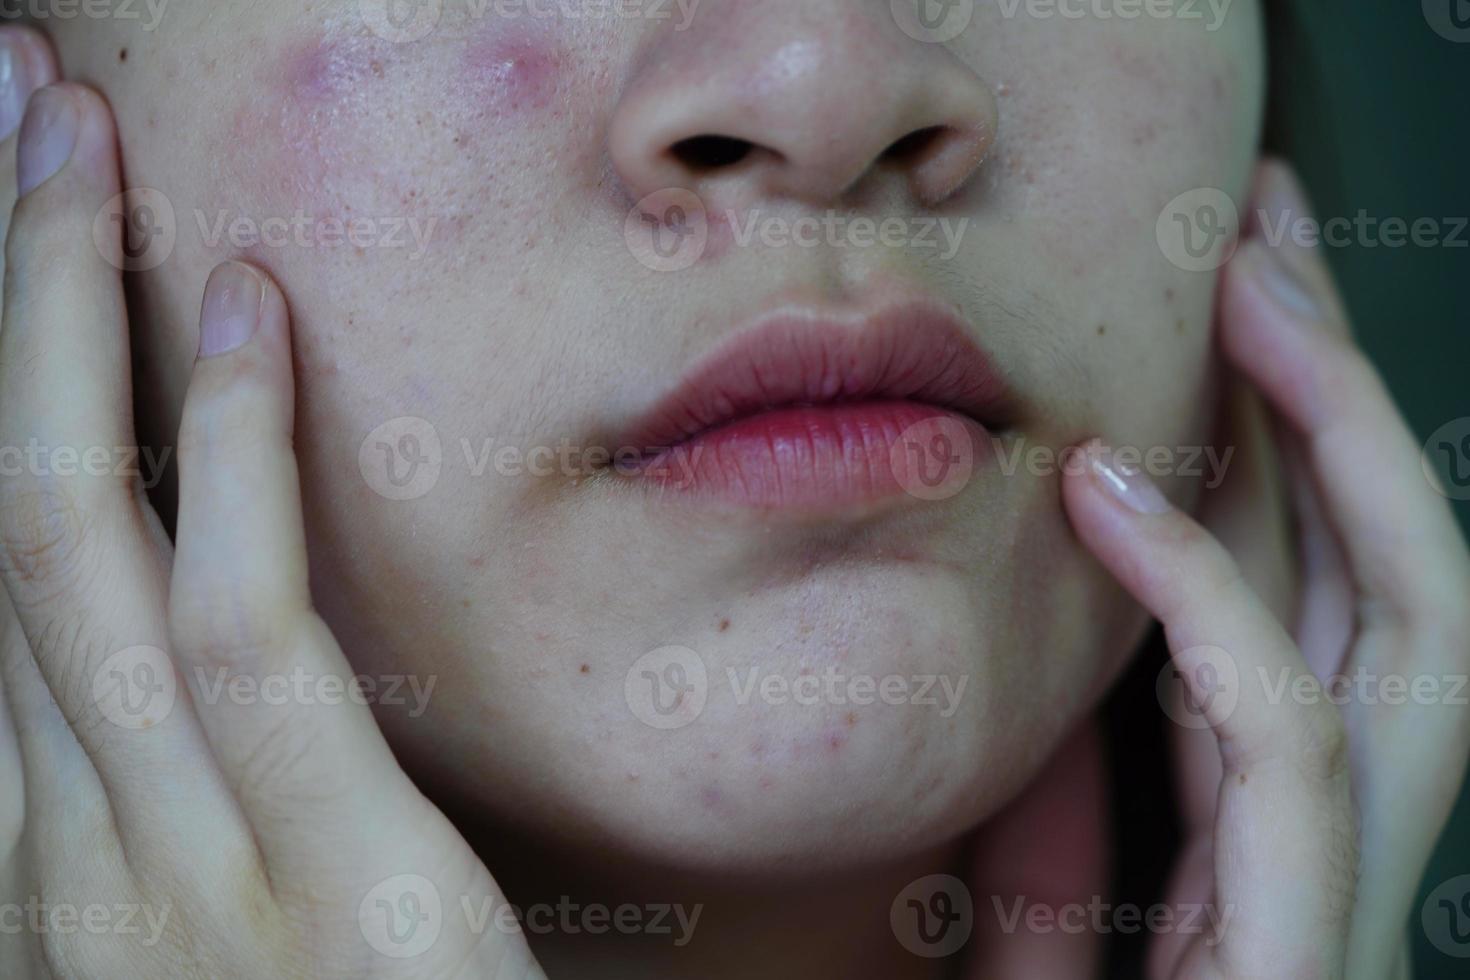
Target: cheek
[[456, 135]]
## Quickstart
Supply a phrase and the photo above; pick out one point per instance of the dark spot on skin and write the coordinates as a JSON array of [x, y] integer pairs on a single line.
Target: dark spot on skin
[[122, 55], [724, 625], [1242, 779], [1102, 328], [851, 719], [586, 668]]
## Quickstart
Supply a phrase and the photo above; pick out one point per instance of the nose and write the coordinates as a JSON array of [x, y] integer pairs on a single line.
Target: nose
[[812, 100]]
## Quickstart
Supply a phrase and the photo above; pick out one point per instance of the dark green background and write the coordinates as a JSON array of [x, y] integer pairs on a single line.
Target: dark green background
[[1373, 107]]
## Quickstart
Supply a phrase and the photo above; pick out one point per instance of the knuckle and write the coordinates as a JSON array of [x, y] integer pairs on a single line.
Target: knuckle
[[1323, 749], [45, 540], [218, 622], [278, 758]]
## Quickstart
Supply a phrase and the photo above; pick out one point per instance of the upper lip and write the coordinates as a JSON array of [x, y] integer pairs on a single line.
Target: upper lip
[[916, 352]]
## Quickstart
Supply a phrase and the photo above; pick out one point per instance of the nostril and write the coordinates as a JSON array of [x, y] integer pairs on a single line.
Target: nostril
[[702, 154], [915, 145]]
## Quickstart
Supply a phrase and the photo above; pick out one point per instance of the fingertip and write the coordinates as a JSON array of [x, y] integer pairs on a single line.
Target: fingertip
[[26, 64], [233, 300], [66, 127], [242, 303], [1118, 477]]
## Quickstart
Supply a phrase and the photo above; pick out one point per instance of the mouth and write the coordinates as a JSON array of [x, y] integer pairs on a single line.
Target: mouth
[[808, 412]]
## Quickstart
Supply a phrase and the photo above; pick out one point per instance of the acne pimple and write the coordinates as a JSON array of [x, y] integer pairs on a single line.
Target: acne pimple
[[519, 70]]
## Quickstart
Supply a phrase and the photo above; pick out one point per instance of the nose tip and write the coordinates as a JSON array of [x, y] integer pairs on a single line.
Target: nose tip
[[816, 118]]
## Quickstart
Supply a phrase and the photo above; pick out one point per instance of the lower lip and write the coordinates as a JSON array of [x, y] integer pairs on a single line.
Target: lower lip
[[825, 458]]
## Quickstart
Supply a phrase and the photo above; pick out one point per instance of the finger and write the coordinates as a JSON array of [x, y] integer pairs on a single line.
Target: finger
[[26, 64], [1283, 324], [1284, 850], [83, 570], [302, 758], [1324, 616]]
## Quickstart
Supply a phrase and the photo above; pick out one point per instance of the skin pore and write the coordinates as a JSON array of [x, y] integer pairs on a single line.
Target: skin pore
[[520, 318]]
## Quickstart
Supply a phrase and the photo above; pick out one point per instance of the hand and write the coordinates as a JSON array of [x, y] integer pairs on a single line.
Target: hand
[[239, 839], [1311, 830]]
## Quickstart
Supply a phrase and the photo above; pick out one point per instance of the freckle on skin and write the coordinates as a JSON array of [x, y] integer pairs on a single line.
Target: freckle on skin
[[724, 625], [586, 668]]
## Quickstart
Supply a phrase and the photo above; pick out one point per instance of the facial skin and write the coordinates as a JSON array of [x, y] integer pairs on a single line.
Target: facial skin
[[525, 319]]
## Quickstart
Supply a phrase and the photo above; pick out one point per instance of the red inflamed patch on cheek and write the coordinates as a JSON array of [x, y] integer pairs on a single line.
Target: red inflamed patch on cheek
[[520, 73], [355, 126]]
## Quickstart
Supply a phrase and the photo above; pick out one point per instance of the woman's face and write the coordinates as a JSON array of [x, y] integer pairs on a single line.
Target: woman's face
[[450, 200]]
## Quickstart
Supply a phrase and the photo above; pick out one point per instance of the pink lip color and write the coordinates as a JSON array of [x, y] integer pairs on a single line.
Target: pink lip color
[[806, 412]]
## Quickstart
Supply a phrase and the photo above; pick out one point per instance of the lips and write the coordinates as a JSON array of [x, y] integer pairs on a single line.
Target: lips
[[804, 411]]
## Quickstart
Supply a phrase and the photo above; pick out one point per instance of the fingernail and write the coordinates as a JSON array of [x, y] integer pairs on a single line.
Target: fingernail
[[47, 137], [17, 82], [231, 309], [1283, 283], [1126, 482]]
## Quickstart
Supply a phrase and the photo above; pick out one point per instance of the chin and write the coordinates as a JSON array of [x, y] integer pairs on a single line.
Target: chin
[[856, 713]]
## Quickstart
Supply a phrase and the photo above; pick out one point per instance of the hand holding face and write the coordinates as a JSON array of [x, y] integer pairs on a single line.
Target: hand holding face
[[1314, 825], [261, 838]]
